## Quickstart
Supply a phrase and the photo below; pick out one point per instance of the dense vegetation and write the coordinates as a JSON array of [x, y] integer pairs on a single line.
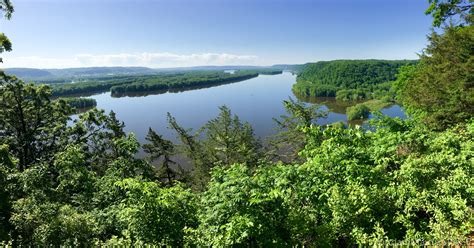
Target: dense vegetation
[[352, 81], [83, 185], [162, 82], [182, 81], [89, 87], [80, 183], [80, 102], [348, 79], [358, 111], [450, 81]]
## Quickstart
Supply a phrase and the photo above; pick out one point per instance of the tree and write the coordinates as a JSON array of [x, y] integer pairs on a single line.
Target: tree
[[243, 207], [360, 77], [229, 141], [161, 149], [441, 10], [222, 141], [440, 90], [356, 187], [357, 112], [290, 140], [7, 8], [6, 166], [155, 215], [30, 123]]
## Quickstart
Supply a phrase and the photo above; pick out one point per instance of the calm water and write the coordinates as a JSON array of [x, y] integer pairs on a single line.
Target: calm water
[[256, 101]]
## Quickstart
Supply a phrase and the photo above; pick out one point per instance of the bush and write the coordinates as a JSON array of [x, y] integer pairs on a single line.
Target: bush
[[359, 111]]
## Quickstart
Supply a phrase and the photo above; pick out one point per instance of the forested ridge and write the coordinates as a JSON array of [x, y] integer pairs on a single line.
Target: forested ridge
[[80, 182], [325, 78]]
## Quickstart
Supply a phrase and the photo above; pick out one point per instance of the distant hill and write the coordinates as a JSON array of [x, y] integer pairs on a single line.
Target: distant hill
[[88, 72], [94, 71], [290, 67], [214, 68], [28, 72], [40, 74]]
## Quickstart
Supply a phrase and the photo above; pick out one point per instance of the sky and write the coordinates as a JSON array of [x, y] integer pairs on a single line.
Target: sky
[[177, 33]]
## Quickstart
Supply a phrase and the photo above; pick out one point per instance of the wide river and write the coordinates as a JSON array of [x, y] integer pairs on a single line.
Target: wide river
[[257, 101]]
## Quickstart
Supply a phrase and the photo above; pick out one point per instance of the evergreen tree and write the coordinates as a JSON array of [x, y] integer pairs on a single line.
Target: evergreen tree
[[160, 149]]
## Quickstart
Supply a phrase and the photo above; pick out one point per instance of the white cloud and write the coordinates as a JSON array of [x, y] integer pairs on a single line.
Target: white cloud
[[154, 60]]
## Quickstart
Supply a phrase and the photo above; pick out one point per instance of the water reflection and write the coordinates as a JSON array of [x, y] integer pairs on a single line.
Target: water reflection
[[331, 104]]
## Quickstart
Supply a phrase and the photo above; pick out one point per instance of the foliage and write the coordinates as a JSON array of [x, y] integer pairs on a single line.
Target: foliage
[[156, 215], [357, 187], [6, 165], [359, 111], [161, 149], [80, 183], [363, 110], [285, 145], [241, 208], [80, 102], [350, 95], [441, 10], [7, 8], [346, 186], [225, 141], [440, 89], [356, 79], [183, 81], [31, 124], [5, 44], [88, 87]]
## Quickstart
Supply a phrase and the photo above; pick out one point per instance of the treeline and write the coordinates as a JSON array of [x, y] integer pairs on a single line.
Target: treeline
[[269, 71], [80, 102], [120, 85], [89, 87], [183, 81], [356, 79]]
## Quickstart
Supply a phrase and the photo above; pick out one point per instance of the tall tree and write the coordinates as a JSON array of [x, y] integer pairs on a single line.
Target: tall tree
[[222, 141], [160, 149], [440, 90], [290, 139], [229, 141], [30, 123]]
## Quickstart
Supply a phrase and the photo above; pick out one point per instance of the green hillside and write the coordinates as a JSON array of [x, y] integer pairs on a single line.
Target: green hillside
[[326, 78]]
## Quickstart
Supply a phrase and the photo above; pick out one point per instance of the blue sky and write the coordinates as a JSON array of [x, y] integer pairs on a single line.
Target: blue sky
[[170, 33]]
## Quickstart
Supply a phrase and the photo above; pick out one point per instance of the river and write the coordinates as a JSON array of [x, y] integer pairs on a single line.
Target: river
[[257, 101]]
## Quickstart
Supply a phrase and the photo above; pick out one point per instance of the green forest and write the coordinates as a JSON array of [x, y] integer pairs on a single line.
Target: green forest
[[80, 102], [347, 79], [79, 182], [163, 82], [183, 81], [352, 81]]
